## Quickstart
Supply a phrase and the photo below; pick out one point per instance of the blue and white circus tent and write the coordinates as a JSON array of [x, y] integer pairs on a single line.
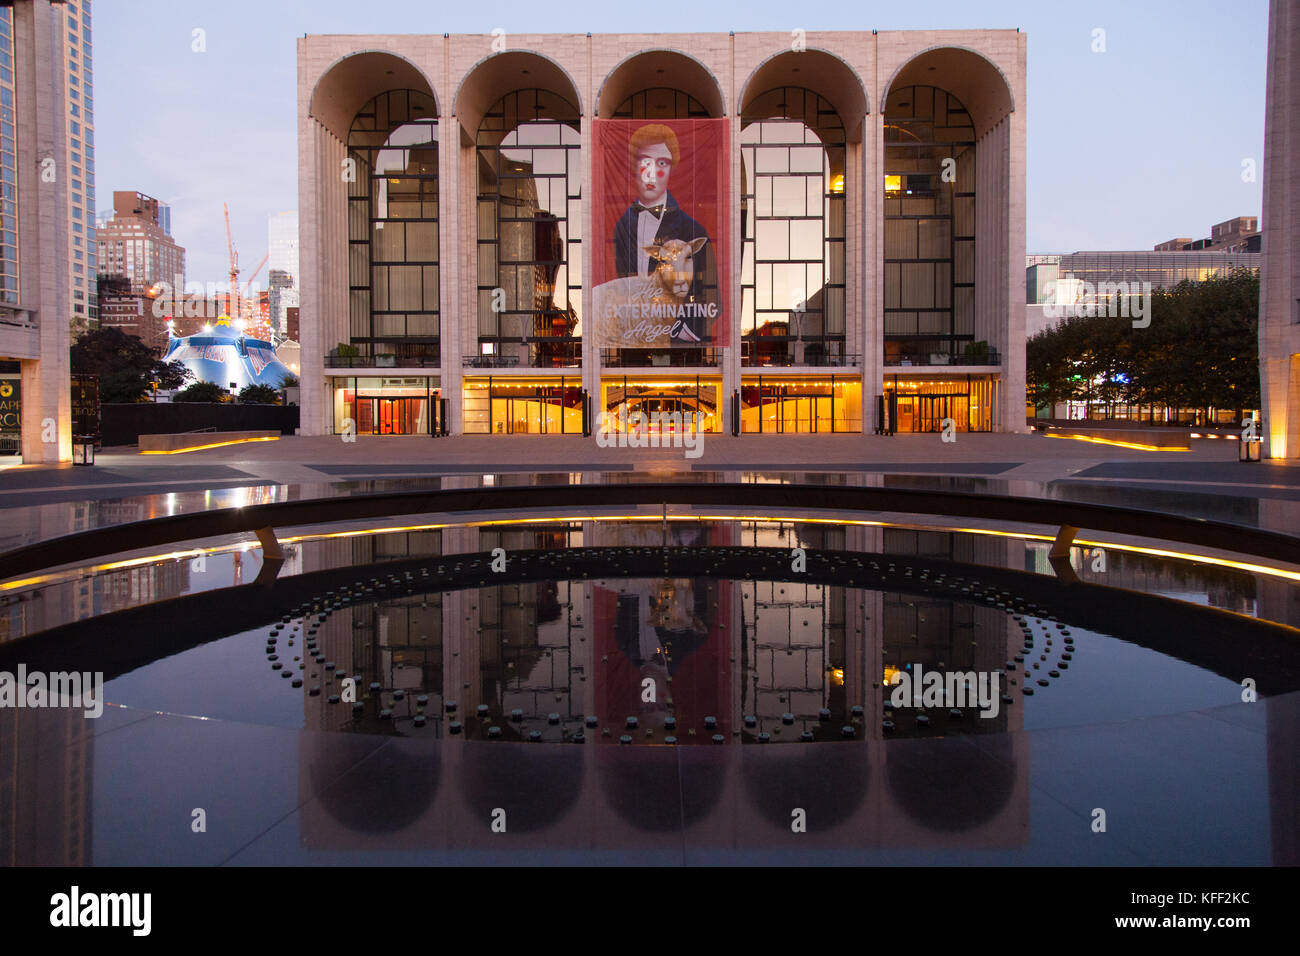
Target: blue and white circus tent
[[227, 357]]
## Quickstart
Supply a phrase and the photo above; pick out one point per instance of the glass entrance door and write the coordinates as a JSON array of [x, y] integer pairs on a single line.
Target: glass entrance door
[[391, 416]]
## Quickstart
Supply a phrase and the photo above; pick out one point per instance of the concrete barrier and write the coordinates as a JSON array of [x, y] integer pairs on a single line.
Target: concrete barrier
[[193, 441], [1151, 438]]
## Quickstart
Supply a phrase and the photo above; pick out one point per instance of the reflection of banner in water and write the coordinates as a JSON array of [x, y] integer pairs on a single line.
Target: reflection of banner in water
[[660, 225], [685, 617]]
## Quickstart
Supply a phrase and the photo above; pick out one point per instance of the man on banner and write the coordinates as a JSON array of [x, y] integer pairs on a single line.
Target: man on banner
[[655, 217]]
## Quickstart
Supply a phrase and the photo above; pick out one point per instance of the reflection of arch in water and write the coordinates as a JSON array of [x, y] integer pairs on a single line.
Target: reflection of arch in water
[[536, 785], [829, 781], [644, 786], [384, 794], [950, 785]]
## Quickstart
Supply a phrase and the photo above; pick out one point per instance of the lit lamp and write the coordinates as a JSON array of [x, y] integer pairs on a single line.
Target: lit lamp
[[83, 449]]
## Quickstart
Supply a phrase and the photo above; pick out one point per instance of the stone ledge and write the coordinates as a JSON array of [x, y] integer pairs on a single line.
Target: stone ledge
[[193, 441]]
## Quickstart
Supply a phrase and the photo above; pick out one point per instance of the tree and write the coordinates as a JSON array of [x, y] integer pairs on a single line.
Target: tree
[[172, 375], [127, 368], [1200, 351], [202, 392], [259, 395]]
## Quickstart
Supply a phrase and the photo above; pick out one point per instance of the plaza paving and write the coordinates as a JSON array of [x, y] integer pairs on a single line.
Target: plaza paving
[[1209, 466]]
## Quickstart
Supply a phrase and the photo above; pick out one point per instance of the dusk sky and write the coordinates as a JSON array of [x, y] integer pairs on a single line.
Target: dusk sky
[[1126, 148]]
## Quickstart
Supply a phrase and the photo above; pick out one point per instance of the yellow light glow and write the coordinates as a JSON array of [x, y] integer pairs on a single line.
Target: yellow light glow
[[218, 444], [837, 677], [889, 675], [893, 184], [837, 183], [576, 518], [1120, 444]]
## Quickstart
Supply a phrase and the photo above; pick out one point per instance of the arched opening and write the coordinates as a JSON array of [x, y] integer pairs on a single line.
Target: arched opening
[[683, 143], [929, 274], [357, 79], [393, 228], [529, 226], [948, 274], [681, 88], [369, 254], [793, 267]]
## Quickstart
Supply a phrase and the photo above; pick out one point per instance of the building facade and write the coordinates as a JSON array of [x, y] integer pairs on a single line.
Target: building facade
[[283, 275], [47, 222], [1081, 283], [78, 168], [1279, 280], [137, 244], [836, 245], [1240, 234]]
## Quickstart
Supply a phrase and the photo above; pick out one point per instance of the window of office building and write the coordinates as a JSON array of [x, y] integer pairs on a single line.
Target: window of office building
[[530, 233], [393, 278], [792, 149], [929, 227]]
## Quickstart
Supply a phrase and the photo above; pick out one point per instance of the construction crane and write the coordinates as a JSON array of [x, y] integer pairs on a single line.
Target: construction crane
[[233, 303], [249, 281]]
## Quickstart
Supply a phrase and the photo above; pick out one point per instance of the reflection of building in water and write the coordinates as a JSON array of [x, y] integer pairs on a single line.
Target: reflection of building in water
[[580, 648], [81, 598], [1225, 588], [794, 645], [397, 641], [528, 637], [45, 787], [945, 635], [665, 644]]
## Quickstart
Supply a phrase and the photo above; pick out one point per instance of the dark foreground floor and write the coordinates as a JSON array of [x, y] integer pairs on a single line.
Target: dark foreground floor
[[1211, 787]]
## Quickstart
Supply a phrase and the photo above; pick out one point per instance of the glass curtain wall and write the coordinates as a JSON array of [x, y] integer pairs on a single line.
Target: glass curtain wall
[[929, 227], [393, 278], [792, 148], [529, 233]]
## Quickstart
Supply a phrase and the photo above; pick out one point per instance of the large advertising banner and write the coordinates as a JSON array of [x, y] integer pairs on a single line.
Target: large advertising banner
[[660, 223]]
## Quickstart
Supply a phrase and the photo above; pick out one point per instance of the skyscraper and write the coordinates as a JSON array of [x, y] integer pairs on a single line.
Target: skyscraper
[[79, 160], [47, 219], [282, 267], [8, 174], [282, 241]]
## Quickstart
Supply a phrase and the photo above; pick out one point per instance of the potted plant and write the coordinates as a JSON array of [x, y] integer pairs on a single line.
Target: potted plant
[[346, 351], [977, 353]]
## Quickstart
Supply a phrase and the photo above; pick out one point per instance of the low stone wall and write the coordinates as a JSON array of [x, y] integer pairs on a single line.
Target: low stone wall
[[191, 441]]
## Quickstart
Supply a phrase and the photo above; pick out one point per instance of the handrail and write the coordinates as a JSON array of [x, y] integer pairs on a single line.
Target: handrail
[[99, 542]]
